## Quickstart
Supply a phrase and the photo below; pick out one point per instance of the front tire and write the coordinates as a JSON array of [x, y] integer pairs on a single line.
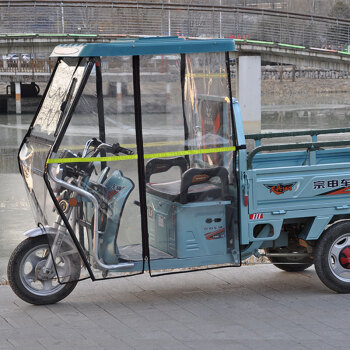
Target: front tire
[[332, 257], [24, 274]]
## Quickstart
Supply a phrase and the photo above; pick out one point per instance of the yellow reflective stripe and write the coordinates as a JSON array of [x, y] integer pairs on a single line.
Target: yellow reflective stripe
[[135, 156], [90, 159], [186, 153]]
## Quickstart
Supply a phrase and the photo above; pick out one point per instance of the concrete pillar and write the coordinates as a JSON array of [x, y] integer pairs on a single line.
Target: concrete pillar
[[168, 103], [18, 98], [4, 61], [168, 91], [249, 91], [119, 91], [119, 97], [19, 129]]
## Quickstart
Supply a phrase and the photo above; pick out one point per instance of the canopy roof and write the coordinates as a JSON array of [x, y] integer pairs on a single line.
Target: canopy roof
[[144, 46]]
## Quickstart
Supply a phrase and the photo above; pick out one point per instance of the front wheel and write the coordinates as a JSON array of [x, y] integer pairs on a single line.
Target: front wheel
[[27, 280], [332, 257]]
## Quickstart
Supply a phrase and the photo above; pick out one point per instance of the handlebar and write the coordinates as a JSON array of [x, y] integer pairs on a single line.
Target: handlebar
[[99, 147], [114, 149]]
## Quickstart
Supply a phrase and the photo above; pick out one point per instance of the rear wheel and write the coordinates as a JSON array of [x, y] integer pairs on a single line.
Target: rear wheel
[[26, 276], [332, 257], [290, 263]]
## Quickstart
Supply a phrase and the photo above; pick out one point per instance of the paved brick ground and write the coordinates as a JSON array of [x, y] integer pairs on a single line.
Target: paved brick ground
[[252, 307]]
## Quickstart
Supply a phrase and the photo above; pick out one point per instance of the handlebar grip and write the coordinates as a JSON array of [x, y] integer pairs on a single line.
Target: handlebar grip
[[114, 149], [126, 151]]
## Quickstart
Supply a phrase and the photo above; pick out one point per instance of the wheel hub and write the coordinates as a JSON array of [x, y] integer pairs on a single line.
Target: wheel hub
[[344, 257], [41, 274]]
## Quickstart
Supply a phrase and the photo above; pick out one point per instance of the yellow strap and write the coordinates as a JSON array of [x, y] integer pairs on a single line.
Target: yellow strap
[[135, 156]]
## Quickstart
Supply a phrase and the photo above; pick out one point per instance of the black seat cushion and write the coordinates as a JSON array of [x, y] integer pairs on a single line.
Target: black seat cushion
[[196, 193]]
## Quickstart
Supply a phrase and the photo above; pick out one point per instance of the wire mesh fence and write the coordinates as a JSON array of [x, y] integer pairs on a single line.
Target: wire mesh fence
[[171, 18]]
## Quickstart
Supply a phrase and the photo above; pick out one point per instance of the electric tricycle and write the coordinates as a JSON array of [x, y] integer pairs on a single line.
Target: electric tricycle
[[136, 160]]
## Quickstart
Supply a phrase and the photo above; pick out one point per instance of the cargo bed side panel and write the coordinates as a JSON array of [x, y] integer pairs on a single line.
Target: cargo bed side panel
[[299, 187]]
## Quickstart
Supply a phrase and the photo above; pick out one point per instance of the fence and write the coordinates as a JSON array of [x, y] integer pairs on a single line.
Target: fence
[[171, 18], [32, 65]]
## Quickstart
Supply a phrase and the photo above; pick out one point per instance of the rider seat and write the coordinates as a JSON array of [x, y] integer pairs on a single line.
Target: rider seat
[[194, 186]]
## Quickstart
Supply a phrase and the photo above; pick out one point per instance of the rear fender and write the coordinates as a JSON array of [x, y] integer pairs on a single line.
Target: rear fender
[[39, 231], [314, 230]]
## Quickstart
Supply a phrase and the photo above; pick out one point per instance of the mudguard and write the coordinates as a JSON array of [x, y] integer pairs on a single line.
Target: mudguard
[[38, 231]]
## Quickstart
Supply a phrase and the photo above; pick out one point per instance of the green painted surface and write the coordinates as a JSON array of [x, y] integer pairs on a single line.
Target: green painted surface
[[292, 46], [344, 52], [84, 35], [53, 35], [260, 42]]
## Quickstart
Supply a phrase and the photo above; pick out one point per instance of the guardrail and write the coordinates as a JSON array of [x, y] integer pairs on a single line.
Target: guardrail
[[32, 65], [171, 18]]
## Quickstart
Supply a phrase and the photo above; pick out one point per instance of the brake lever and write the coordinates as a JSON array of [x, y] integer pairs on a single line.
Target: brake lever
[[95, 142]]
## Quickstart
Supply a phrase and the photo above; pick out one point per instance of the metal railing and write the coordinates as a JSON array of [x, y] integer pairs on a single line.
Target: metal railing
[[33, 65], [171, 18]]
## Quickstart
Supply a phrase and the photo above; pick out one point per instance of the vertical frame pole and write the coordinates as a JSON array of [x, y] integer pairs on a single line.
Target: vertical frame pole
[[183, 78], [235, 224], [100, 107], [140, 158]]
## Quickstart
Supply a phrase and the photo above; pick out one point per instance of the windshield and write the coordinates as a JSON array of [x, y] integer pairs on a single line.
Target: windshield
[[55, 107], [59, 96]]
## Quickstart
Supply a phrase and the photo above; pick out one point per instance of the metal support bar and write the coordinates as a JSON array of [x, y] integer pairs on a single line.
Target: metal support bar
[[140, 159], [286, 255], [271, 135], [94, 201], [311, 146]]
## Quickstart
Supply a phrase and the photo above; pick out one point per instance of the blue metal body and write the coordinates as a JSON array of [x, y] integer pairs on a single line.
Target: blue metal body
[[289, 186], [180, 229]]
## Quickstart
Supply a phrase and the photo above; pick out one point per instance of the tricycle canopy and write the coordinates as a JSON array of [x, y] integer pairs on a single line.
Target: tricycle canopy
[[145, 46], [131, 158]]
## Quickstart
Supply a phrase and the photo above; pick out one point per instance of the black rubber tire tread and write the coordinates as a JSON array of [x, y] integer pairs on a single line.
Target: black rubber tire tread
[[323, 245], [289, 266], [16, 283]]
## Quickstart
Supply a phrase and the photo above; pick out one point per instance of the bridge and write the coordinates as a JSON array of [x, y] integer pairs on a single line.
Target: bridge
[[35, 27], [103, 17]]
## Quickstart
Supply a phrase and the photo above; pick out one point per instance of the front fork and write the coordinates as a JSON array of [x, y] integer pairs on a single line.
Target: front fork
[[57, 243]]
